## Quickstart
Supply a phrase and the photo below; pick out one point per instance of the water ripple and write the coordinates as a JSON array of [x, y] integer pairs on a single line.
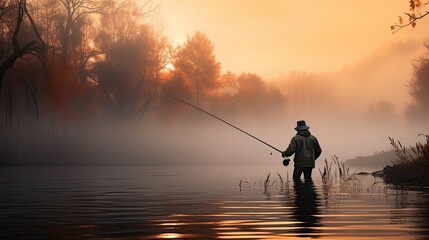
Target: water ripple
[[141, 203]]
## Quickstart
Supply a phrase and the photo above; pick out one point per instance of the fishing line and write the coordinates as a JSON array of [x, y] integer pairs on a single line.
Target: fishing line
[[220, 119]]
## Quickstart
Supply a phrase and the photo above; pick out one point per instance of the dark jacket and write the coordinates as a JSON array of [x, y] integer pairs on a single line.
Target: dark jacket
[[305, 147]]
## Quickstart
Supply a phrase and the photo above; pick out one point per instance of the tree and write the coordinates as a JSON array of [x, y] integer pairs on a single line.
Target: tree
[[11, 24], [419, 91], [254, 95], [67, 28], [178, 87], [382, 112], [75, 15], [124, 77], [418, 10], [129, 69], [20, 50], [196, 61]]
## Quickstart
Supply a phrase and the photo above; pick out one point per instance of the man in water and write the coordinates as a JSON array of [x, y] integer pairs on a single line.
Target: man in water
[[306, 149]]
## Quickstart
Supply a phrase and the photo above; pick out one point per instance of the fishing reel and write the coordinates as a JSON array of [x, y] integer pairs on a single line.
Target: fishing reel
[[286, 162]]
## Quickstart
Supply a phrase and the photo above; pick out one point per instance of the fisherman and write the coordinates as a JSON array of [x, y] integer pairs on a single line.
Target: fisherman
[[306, 149]]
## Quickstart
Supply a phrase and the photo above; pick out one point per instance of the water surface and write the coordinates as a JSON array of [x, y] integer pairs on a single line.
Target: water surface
[[202, 203]]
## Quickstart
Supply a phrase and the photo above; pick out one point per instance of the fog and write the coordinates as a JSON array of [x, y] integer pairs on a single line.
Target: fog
[[352, 112], [110, 108]]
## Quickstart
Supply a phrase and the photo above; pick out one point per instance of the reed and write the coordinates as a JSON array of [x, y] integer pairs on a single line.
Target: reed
[[336, 175], [267, 183], [411, 164], [284, 184], [326, 174], [413, 153]]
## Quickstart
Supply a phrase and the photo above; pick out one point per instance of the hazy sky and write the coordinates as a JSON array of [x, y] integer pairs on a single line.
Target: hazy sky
[[275, 37]]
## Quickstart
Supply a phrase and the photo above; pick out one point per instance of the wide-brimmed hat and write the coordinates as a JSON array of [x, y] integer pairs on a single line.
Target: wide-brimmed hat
[[300, 125]]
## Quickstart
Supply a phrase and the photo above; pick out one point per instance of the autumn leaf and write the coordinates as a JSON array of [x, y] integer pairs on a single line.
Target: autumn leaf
[[413, 24], [392, 27], [412, 5], [400, 20], [417, 3]]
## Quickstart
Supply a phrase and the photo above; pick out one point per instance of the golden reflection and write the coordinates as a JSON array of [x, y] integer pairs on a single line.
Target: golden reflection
[[170, 235], [172, 224], [256, 207], [299, 217], [231, 222], [253, 213]]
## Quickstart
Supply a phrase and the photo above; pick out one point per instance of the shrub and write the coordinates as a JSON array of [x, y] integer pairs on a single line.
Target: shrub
[[411, 165]]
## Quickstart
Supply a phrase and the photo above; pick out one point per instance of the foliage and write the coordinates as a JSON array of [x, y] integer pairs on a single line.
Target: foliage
[[411, 164], [66, 61], [197, 62], [418, 10], [419, 91], [19, 42]]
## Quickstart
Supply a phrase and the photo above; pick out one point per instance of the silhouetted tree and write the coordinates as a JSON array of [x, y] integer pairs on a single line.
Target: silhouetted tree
[[196, 60], [125, 76], [12, 27], [419, 91], [133, 56], [74, 17], [382, 111], [254, 95], [20, 50], [251, 92], [178, 87]]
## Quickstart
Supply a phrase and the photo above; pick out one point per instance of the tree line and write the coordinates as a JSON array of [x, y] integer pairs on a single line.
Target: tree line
[[71, 60], [68, 61], [73, 57]]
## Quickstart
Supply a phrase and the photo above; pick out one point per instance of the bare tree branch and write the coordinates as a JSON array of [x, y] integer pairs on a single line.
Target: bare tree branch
[[417, 12]]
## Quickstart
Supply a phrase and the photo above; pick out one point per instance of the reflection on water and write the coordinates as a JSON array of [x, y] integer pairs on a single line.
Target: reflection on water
[[200, 203], [306, 209]]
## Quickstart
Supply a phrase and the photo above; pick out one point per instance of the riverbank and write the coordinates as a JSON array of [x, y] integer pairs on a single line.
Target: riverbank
[[411, 164]]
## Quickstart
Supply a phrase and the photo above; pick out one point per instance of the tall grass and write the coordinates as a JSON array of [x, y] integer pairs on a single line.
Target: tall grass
[[411, 164], [268, 184], [414, 153], [341, 172], [336, 177]]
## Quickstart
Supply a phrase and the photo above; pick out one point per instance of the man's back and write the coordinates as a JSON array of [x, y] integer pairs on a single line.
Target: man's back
[[307, 149]]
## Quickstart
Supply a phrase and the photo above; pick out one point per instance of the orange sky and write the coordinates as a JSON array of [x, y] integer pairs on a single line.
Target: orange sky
[[345, 47], [275, 37]]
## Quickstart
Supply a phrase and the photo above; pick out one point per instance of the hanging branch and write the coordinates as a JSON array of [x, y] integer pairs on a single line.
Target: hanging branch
[[18, 51], [417, 11]]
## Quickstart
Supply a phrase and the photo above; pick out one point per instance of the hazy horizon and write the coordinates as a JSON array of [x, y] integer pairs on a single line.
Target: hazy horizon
[[266, 66]]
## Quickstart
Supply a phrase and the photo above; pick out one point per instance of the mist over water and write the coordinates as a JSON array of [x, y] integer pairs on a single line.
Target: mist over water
[[122, 118], [202, 140]]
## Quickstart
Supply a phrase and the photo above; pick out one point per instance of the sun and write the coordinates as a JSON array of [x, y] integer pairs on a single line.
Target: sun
[[169, 67], [170, 235]]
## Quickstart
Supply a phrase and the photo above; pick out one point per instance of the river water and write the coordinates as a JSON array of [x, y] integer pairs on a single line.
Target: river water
[[202, 202]]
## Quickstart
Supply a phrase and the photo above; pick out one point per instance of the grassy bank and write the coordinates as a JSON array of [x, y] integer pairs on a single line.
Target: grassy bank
[[411, 165]]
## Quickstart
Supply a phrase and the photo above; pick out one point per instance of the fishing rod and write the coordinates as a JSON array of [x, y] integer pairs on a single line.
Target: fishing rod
[[220, 119], [285, 161]]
